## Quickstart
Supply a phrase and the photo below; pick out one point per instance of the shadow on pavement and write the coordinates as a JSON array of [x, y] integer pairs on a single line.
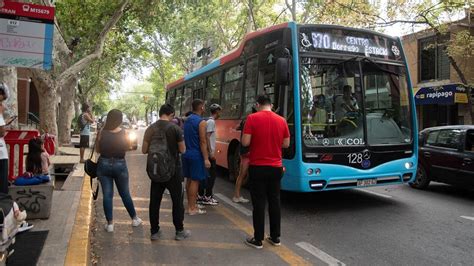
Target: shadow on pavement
[[333, 201], [457, 192]]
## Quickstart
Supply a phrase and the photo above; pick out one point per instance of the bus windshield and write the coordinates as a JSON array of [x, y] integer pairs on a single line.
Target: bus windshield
[[354, 103]]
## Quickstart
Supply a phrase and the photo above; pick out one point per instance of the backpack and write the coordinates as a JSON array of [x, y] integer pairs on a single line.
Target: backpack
[[161, 165], [80, 122]]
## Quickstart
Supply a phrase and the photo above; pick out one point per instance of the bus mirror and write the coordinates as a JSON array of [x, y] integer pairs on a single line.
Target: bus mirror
[[282, 71]]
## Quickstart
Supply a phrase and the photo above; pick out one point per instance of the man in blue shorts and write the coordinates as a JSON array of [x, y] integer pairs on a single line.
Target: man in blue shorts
[[196, 158]]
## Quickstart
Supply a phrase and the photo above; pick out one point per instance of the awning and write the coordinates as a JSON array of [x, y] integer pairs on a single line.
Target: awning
[[445, 94]]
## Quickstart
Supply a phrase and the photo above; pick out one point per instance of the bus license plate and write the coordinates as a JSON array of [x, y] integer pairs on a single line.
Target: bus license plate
[[366, 182]]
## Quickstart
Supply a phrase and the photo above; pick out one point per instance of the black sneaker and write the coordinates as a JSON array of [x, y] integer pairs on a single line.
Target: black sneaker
[[254, 243], [200, 199], [156, 236], [182, 235], [274, 241]]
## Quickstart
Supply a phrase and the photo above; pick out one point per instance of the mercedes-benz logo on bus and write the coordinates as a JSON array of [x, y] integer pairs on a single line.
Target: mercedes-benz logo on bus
[[366, 154]]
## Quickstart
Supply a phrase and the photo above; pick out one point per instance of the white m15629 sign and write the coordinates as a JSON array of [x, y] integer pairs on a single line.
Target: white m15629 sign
[[26, 35]]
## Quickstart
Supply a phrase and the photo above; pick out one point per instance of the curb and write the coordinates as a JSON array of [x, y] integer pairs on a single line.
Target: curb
[[79, 243]]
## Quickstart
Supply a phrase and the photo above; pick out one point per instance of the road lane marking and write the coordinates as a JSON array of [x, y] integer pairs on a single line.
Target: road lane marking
[[186, 225], [331, 261], [187, 243], [237, 206], [142, 199], [282, 251], [468, 217], [374, 193], [139, 209]]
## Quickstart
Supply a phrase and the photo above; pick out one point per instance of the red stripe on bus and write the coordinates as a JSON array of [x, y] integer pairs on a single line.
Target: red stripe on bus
[[174, 83], [236, 53], [232, 55]]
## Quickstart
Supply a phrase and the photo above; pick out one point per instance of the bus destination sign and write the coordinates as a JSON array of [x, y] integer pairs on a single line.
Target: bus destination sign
[[348, 42]]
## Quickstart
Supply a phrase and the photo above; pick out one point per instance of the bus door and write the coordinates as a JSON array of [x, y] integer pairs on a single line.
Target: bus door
[[250, 84], [266, 76]]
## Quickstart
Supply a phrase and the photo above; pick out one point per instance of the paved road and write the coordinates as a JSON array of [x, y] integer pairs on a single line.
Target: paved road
[[394, 225]]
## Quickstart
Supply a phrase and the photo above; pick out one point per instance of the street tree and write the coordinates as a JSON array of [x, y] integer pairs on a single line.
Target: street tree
[[68, 64]]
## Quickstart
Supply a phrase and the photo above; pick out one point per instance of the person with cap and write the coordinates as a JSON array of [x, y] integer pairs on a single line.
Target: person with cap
[[205, 196]]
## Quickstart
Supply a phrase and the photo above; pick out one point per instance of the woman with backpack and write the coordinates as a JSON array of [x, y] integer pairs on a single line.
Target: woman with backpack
[[112, 145]]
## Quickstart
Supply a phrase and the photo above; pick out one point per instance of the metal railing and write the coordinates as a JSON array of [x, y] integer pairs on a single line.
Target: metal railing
[[33, 120]]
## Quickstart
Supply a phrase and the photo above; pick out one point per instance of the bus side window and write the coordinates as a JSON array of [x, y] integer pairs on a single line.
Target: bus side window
[[198, 92], [250, 85], [178, 101], [232, 92], [187, 98], [171, 96], [213, 87]]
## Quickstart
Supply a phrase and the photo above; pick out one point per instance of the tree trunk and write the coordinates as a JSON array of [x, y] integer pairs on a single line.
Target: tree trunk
[[66, 111], [47, 108], [292, 8], [8, 75]]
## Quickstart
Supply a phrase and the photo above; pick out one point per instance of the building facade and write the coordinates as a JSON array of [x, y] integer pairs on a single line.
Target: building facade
[[440, 96]]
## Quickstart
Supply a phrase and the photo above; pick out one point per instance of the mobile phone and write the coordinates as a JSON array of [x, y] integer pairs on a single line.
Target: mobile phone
[[11, 119]]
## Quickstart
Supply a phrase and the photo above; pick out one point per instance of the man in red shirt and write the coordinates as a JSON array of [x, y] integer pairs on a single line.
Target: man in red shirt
[[266, 133]]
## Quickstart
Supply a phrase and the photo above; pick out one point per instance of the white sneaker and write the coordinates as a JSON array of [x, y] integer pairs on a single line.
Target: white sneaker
[[240, 200], [24, 226], [136, 222], [109, 228]]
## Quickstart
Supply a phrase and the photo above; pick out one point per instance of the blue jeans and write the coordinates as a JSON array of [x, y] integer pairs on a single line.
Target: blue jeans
[[108, 171]]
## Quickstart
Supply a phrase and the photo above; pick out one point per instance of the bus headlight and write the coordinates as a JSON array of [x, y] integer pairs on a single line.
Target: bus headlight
[[408, 165], [309, 171], [132, 136], [317, 171]]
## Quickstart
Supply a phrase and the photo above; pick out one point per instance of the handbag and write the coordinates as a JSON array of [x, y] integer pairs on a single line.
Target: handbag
[[90, 167]]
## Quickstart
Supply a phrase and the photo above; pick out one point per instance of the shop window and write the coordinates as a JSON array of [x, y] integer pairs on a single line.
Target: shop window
[[434, 62]]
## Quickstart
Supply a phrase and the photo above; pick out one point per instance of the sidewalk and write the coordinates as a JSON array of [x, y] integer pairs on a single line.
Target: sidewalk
[[70, 206]]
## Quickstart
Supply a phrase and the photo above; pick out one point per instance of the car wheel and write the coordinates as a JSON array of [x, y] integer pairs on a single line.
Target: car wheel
[[422, 180]]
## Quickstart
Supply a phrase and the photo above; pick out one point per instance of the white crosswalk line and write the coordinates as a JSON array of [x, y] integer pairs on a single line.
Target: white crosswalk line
[[331, 261], [237, 206], [468, 217]]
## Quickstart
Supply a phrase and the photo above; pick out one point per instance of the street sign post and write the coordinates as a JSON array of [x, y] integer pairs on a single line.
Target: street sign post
[[26, 35]]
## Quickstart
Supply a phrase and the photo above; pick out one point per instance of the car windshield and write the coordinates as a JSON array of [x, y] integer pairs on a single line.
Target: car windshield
[[340, 98]]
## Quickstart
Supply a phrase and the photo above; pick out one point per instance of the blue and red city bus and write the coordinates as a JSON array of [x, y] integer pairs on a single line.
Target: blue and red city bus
[[345, 93]]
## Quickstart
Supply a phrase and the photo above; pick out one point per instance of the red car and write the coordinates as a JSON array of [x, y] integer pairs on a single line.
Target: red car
[[446, 155]]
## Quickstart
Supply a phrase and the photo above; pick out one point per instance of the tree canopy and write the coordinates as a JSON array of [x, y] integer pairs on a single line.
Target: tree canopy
[[165, 35]]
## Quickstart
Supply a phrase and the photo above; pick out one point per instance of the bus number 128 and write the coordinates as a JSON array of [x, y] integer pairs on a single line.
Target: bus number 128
[[355, 158]]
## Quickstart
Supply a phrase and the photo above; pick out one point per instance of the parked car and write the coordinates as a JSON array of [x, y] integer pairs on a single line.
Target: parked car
[[446, 155]]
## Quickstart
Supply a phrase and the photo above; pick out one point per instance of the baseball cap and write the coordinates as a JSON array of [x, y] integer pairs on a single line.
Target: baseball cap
[[215, 107]]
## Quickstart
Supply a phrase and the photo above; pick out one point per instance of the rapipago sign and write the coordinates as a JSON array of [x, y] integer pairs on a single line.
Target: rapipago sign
[[26, 35], [446, 94]]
